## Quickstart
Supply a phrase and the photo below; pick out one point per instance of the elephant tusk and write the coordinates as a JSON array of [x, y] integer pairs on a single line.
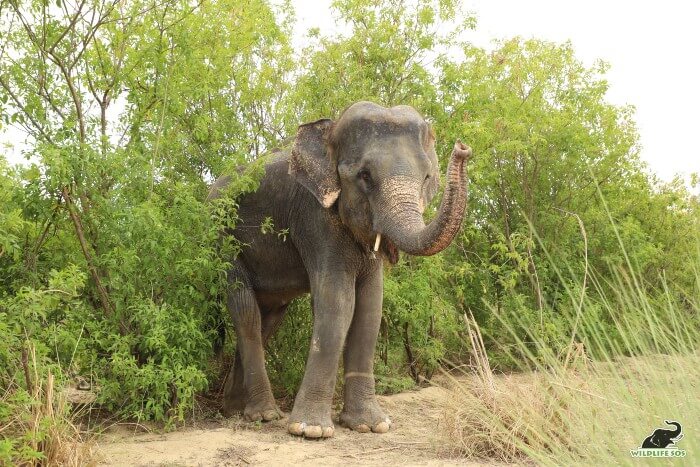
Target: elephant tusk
[[376, 246]]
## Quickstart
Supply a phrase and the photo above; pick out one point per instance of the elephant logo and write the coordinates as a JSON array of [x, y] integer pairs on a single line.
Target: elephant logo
[[661, 439], [662, 442]]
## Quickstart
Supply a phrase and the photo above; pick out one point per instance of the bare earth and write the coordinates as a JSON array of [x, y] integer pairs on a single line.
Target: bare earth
[[413, 440]]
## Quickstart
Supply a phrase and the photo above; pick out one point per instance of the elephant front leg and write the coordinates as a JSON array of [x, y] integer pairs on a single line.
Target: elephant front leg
[[361, 411], [333, 302]]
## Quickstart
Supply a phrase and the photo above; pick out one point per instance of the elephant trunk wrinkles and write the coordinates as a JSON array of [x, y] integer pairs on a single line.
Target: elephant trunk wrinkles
[[401, 219]]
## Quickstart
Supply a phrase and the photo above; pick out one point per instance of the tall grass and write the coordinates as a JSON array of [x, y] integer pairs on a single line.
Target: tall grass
[[36, 423], [631, 362]]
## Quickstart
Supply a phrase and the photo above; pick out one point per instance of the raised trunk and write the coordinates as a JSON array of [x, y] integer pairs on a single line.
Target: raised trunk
[[402, 221]]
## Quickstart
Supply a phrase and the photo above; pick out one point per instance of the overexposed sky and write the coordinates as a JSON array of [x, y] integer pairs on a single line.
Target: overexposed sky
[[652, 47]]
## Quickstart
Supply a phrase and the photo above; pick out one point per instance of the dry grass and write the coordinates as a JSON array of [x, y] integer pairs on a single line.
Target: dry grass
[[39, 425], [487, 422], [592, 406], [584, 412], [492, 416]]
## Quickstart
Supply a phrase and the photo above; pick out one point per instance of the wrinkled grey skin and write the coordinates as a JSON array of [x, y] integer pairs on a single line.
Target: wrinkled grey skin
[[371, 172]]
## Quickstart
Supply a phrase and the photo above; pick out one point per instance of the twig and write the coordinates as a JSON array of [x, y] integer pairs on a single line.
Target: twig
[[583, 286], [102, 292], [42, 291], [18, 102], [25, 367], [409, 354], [373, 451]]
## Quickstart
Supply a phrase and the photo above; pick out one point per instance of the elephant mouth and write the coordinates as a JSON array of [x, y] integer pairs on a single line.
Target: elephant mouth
[[390, 251]]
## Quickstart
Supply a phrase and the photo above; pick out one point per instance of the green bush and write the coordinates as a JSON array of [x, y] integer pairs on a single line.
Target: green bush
[[288, 349], [420, 321]]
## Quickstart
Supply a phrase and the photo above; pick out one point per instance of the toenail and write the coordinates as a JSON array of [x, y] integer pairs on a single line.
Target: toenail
[[313, 431], [362, 428], [296, 428], [381, 427]]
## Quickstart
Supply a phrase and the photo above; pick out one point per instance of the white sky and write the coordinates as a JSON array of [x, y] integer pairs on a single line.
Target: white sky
[[652, 48]]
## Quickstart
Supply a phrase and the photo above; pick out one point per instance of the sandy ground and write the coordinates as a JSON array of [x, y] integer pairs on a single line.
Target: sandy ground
[[414, 440]]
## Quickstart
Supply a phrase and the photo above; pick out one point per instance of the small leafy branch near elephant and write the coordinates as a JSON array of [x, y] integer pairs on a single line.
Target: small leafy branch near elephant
[[268, 227]]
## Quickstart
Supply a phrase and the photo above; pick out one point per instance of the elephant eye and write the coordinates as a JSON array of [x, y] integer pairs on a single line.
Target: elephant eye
[[364, 175]]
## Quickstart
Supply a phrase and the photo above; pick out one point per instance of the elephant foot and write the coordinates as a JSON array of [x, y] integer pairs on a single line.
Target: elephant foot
[[311, 431], [262, 412], [310, 425], [365, 419]]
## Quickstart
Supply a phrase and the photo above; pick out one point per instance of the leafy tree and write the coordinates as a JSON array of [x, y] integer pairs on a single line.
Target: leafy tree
[[557, 174], [130, 116], [387, 57]]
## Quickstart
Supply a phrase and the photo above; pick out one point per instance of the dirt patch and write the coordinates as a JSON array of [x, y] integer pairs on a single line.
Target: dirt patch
[[413, 440]]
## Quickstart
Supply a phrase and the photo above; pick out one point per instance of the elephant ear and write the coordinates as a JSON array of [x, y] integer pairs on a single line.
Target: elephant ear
[[311, 164]]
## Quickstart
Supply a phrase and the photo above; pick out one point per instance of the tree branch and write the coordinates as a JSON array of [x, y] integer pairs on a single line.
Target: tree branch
[[101, 291], [39, 127]]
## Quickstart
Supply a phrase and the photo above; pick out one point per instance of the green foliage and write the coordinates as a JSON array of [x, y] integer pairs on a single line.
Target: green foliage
[[131, 115], [419, 324], [111, 262], [40, 335], [386, 58], [551, 152], [288, 349]]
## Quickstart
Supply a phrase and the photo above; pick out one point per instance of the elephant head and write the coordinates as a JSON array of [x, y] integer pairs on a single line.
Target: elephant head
[[379, 167]]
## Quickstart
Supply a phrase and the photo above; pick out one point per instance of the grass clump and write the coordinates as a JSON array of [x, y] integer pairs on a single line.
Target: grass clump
[[595, 399], [36, 421]]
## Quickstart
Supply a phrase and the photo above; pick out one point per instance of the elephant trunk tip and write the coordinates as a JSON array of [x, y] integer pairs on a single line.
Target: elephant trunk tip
[[461, 151]]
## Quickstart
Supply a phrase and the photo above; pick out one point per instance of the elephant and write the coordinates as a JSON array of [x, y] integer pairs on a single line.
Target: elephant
[[351, 193], [661, 438]]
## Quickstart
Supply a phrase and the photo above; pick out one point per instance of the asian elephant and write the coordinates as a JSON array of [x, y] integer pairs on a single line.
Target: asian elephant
[[661, 438], [351, 194]]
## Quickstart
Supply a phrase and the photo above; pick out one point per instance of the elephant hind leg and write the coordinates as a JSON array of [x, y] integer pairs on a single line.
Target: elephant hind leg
[[255, 390], [235, 396]]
